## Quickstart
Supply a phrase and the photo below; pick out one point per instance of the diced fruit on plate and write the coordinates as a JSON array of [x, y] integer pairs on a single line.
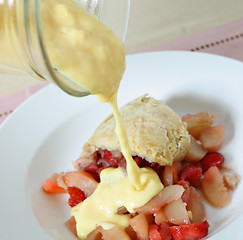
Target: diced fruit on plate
[[140, 225], [191, 174], [169, 175], [115, 233], [167, 195], [193, 231], [160, 217], [159, 232], [196, 152], [186, 194], [196, 206], [212, 159], [196, 123], [50, 185], [214, 189], [76, 196], [71, 224], [212, 138], [176, 212], [82, 180]]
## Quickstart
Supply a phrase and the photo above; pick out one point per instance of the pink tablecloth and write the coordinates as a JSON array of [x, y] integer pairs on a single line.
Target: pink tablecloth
[[225, 40]]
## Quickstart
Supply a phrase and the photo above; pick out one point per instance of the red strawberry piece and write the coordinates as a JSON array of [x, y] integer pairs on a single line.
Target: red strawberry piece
[[138, 160], [162, 232], [193, 231], [108, 155], [76, 196], [191, 174], [212, 159], [50, 185], [93, 169]]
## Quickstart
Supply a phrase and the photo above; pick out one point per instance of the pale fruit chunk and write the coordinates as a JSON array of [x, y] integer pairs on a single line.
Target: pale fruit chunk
[[196, 206], [214, 189], [115, 233], [212, 138], [160, 217], [167, 195], [196, 152], [176, 212], [71, 224], [140, 225], [196, 123], [169, 175], [82, 180]]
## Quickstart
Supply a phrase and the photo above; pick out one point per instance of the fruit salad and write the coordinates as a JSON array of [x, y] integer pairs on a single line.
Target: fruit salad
[[175, 213]]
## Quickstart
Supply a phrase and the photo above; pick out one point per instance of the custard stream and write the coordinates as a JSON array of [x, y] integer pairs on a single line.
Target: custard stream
[[89, 53]]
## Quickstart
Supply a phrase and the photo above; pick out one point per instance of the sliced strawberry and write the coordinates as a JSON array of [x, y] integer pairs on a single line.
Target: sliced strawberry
[[193, 231], [138, 160], [191, 174], [93, 169], [161, 232], [50, 185], [76, 196], [212, 159]]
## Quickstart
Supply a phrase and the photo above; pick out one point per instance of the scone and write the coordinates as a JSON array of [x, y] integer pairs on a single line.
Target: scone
[[155, 133]]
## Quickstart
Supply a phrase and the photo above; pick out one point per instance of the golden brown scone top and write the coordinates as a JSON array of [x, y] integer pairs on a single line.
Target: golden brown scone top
[[155, 132]]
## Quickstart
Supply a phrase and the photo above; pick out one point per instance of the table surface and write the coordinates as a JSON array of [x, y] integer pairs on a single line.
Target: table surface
[[156, 22]]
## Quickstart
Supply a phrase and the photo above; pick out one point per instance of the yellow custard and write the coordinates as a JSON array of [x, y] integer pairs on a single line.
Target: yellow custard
[[114, 191], [89, 53]]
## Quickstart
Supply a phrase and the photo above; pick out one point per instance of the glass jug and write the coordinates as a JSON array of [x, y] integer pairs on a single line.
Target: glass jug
[[21, 42]]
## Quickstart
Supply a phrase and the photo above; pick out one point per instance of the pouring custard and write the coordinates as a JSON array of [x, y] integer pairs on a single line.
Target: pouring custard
[[89, 53]]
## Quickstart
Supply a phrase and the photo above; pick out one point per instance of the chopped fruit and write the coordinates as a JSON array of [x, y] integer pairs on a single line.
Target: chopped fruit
[[214, 189], [50, 185], [114, 233], [82, 180], [160, 217], [176, 212], [186, 194], [168, 175], [71, 224], [196, 123], [212, 138], [195, 152], [93, 169], [76, 196], [212, 159], [195, 206], [132, 234], [191, 174], [167, 195], [95, 234], [138, 160], [161, 232], [193, 231], [231, 180], [140, 225]]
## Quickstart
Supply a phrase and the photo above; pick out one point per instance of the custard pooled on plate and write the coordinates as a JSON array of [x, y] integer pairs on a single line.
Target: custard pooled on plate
[[155, 133]]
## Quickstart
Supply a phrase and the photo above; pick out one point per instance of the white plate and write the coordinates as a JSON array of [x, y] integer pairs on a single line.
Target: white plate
[[46, 133]]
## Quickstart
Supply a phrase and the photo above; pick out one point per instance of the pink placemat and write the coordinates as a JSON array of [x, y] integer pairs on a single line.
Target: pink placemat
[[225, 40], [9, 102]]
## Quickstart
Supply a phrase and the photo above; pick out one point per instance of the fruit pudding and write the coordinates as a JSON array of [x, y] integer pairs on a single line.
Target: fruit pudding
[[183, 160]]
